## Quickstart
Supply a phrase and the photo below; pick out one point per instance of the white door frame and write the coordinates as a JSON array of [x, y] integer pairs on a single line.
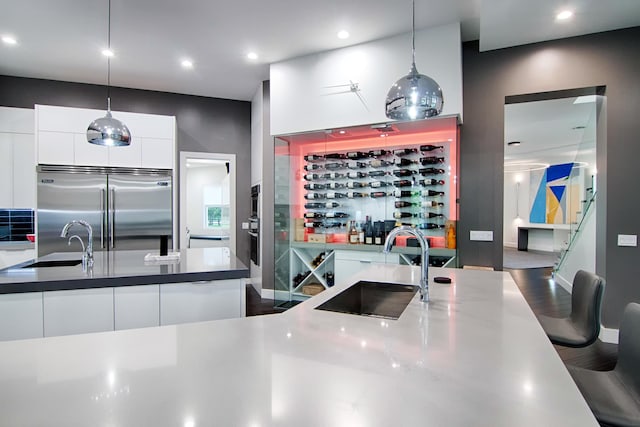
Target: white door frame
[[231, 158]]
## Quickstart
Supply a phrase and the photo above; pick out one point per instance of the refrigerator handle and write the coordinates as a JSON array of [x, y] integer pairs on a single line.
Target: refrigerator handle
[[103, 213], [112, 231]]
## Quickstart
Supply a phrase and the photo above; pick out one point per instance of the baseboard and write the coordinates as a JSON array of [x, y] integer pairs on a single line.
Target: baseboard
[[608, 335], [566, 284], [512, 245]]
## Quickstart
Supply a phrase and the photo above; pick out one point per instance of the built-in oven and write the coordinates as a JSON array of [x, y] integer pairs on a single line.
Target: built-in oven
[[254, 225]]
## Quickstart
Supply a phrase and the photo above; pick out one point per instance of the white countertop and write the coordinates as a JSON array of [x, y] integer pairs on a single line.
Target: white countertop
[[475, 356]]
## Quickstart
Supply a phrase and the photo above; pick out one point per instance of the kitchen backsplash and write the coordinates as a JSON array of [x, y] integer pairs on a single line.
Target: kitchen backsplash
[[15, 224]]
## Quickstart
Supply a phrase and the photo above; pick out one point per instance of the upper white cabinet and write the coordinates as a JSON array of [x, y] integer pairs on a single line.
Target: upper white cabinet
[[17, 159], [61, 139]]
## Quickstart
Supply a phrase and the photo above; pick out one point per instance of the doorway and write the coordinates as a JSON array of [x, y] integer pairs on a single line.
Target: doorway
[[207, 200]]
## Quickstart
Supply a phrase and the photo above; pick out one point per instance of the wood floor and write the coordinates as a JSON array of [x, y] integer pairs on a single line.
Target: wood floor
[[542, 295]]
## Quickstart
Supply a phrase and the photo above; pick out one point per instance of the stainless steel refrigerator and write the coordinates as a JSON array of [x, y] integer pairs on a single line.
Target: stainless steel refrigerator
[[127, 208]]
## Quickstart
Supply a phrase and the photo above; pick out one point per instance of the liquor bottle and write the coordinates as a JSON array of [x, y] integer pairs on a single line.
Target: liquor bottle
[[356, 184], [334, 165], [368, 232], [378, 237], [429, 226], [333, 175], [335, 185], [334, 195], [377, 173], [335, 156], [314, 205], [430, 147], [431, 215], [431, 182], [403, 183], [378, 194], [353, 233], [430, 171], [431, 193], [355, 175], [314, 196], [431, 204], [330, 205], [313, 215], [403, 172], [398, 215], [406, 193], [314, 186], [377, 153], [403, 204], [431, 160], [355, 194], [360, 229], [312, 167], [313, 224], [378, 184], [356, 165], [313, 157], [404, 151], [357, 155], [312, 176], [406, 162], [379, 163], [336, 215]]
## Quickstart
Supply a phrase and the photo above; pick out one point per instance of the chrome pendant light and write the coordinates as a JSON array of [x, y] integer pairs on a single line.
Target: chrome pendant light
[[414, 96], [108, 130]]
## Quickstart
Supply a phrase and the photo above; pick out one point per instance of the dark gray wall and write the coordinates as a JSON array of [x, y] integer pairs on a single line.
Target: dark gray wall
[[610, 59], [210, 125], [268, 191]]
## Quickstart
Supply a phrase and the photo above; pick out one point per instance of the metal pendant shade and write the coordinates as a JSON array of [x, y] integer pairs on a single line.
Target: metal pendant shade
[[107, 130], [414, 96]]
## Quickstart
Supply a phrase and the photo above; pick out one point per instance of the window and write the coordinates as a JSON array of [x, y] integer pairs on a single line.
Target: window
[[216, 217]]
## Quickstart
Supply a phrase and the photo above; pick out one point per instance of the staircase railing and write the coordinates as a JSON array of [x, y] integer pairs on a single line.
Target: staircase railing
[[576, 228]]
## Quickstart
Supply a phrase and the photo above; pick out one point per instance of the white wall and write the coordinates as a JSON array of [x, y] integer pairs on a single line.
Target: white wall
[[207, 185], [511, 204], [302, 101]]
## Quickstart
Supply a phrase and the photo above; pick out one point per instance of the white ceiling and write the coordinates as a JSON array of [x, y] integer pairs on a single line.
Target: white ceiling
[[62, 39]]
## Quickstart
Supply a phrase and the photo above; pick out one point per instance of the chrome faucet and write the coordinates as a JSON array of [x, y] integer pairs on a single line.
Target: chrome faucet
[[87, 256], [424, 245]]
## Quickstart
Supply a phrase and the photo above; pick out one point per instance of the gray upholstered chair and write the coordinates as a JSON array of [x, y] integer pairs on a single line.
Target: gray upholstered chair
[[614, 396], [582, 327]]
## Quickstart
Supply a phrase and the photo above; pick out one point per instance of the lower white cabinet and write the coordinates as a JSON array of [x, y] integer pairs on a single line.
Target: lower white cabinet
[[201, 301], [78, 311], [21, 316], [348, 263], [136, 306]]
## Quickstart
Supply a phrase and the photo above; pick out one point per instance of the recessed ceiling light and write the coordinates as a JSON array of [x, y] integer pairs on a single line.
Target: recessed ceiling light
[[342, 132], [513, 143], [343, 34], [107, 52], [7, 39], [252, 56], [186, 63], [564, 15]]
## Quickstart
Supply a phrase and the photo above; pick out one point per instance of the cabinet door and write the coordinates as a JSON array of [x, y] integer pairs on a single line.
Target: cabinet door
[[78, 311], [55, 148], [198, 302], [24, 171], [136, 306], [129, 156], [157, 153], [348, 263], [86, 154], [21, 316], [6, 170], [148, 125]]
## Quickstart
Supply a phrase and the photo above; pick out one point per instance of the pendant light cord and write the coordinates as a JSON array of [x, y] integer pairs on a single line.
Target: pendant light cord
[[109, 60], [413, 32]]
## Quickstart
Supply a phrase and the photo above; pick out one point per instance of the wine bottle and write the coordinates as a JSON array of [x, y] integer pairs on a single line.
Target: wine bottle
[[312, 167], [360, 229], [353, 233], [336, 215], [335, 185], [378, 153], [368, 232], [333, 224], [431, 204], [314, 186], [406, 193], [312, 176], [431, 215], [430, 147], [330, 205], [406, 162], [378, 194], [403, 183], [335, 156], [377, 173], [333, 175], [355, 194], [403, 172], [378, 237], [356, 184], [356, 165], [432, 193], [404, 151], [313, 224], [314, 196], [404, 204], [313, 215], [334, 195], [379, 163], [314, 205], [313, 157], [357, 155], [429, 226], [431, 182], [431, 160], [355, 175], [334, 165], [398, 215], [430, 171], [378, 184]]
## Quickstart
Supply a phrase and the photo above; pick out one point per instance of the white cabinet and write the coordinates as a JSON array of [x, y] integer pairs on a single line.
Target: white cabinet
[[348, 263], [86, 154], [198, 302], [55, 148], [17, 158], [21, 316], [129, 156], [78, 311], [6, 168], [157, 153], [24, 171], [136, 306]]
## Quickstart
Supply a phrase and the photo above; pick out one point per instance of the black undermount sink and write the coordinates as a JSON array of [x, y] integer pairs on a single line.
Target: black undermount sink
[[376, 299], [57, 263]]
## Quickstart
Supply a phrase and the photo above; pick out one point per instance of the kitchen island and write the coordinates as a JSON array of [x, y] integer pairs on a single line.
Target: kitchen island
[[473, 356]]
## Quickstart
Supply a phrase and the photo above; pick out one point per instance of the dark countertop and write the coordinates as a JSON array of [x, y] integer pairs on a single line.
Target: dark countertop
[[123, 268]]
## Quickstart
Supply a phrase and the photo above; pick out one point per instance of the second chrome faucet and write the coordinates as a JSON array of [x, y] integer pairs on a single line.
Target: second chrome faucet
[[87, 255]]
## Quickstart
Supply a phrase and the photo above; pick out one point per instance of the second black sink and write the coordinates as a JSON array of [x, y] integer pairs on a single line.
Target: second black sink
[[378, 299], [57, 263]]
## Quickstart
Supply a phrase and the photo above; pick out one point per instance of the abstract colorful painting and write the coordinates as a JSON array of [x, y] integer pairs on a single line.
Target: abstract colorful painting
[[552, 197]]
